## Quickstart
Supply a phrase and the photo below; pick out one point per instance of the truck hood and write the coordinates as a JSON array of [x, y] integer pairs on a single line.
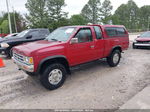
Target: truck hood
[[142, 39], [28, 48]]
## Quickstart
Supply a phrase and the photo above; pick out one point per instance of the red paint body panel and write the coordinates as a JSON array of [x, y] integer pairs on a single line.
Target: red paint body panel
[[75, 53]]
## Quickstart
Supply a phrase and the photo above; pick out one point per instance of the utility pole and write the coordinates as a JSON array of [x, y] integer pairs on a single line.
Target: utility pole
[[148, 23], [15, 19], [10, 29]]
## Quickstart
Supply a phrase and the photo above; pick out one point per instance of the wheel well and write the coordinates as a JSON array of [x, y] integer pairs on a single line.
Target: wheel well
[[62, 61], [117, 48]]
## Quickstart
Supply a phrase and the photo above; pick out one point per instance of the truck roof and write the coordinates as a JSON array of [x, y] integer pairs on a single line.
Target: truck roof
[[107, 25], [104, 26], [39, 29]]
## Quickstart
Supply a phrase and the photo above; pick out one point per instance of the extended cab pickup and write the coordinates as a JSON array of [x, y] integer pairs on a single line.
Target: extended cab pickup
[[70, 46]]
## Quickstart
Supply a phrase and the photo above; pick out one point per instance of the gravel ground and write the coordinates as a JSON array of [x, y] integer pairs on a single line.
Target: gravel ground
[[91, 86]]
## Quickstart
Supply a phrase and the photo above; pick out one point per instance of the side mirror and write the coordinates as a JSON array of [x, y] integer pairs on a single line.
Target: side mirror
[[29, 37], [74, 41]]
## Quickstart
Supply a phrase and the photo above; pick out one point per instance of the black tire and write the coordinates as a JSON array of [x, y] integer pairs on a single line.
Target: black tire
[[110, 59], [44, 78], [9, 53], [31, 74], [134, 47]]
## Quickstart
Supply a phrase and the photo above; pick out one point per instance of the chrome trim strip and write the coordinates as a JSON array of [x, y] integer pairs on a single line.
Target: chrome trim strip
[[147, 45]]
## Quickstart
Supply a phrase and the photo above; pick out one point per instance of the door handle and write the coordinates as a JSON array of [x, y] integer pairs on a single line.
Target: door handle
[[92, 46], [116, 40]]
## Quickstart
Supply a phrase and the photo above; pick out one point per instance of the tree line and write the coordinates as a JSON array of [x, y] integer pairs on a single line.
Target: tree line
[[50, 14]]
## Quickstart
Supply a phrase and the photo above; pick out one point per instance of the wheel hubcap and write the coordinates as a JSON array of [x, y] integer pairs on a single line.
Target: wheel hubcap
[[55, 76], [116, 58]]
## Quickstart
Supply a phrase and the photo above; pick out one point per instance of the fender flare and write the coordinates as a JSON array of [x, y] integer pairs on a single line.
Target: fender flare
[[115, 47], [49, 58]]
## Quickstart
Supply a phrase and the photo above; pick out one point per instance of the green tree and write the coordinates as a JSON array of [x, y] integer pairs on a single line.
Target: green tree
[[120, 16], [106, 11], [133, 14], [46, 13], [77, 20], [38, 15], [56, 14], [127, 14], [4, 27], [145, 16], [1, 20], [18, 19], [61, 22], [55, 9], [91, 11]]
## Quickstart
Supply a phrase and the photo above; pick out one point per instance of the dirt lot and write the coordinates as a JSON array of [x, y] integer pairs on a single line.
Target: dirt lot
[[94, 85]]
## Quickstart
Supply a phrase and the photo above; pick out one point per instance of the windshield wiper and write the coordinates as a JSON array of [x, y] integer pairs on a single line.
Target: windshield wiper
[[54, 39]]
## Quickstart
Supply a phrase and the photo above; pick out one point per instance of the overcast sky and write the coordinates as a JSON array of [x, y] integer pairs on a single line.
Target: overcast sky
[[73, 6]]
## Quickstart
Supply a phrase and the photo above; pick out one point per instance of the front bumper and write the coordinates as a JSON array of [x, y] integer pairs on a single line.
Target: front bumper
[[24, 67], [2, 49], [142, 44]]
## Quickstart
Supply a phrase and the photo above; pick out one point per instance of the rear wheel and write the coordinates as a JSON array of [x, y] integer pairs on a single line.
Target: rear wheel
[[53, 76], [114, 59]]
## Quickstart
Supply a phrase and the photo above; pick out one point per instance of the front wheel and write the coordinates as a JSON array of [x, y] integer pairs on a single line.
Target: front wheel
[[114, 59], [53, 76], [9, 53], [134, 47]]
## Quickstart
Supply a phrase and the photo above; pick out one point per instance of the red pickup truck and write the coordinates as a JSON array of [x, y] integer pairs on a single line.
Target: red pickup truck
[[69, 46]]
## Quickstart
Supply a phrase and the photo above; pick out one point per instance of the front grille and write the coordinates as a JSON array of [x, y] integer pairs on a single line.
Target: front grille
[[19, 57], [143, 42]]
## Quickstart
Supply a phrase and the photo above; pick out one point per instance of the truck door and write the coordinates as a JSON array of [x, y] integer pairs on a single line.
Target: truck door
[[84, 50]]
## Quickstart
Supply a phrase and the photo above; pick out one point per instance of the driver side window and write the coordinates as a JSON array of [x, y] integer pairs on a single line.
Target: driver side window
[[84, 35], [34, 34]]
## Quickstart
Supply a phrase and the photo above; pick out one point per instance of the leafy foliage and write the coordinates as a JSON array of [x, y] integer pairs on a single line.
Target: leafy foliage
[[145, 16], [20, 22], [38, 15], [91, 11], [46, 13], [4, 27], [78, 20], [106, 11], [132, 16]]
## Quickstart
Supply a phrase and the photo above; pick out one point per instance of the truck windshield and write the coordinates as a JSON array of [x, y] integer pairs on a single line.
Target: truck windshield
[[23, 33], [61, 34]]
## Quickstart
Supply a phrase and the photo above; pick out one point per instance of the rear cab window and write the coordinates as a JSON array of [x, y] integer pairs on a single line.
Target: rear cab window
[[115, 31], [98, 32]]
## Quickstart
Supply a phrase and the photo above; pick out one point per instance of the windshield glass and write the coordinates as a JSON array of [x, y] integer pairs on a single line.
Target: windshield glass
[[23, 33], [11, 35], [146, 34], [61, 34]]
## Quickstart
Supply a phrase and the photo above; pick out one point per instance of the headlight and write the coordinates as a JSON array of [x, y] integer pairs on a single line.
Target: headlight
[[29, 60], [4, 45]]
